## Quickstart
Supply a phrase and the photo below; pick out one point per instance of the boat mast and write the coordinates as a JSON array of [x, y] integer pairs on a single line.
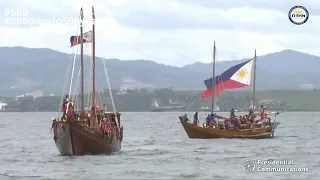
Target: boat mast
[[254, 81], [93, 59], [213, 75], [81, 55]]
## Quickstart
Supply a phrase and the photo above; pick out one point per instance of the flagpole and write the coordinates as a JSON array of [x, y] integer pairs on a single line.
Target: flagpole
[[94, 67], [93, 61], [254, 80], [82, 66], [213, 84]]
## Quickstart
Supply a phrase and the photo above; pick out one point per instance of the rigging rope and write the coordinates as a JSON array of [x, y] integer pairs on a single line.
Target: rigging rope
[[89, 80], [64, 87], [72, 72], [65, 81], [99, 96], [110, 91], [76, 90]]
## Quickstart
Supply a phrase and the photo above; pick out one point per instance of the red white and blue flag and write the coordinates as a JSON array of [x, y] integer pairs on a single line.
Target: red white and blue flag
[[75, 40], [237, 76]]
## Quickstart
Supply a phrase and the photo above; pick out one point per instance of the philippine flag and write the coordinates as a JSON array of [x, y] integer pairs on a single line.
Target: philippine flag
[[75, 40], [237, 76]]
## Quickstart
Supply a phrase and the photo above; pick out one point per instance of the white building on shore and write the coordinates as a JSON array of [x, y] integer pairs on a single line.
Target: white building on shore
[[3, 106]]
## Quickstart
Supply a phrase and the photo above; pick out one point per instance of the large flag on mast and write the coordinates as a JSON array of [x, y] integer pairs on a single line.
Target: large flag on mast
[[237, 76], [75, 40]]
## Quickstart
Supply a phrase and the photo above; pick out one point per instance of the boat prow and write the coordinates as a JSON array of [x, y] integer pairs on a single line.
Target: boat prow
[[74, 138]]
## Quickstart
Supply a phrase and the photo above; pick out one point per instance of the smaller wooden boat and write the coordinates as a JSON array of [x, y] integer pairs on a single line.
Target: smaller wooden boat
[[237, 76], [256, 131]]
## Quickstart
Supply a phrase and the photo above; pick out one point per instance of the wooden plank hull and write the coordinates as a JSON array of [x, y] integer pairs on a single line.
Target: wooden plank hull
[[63, 139], [212, 133], [72, 139]]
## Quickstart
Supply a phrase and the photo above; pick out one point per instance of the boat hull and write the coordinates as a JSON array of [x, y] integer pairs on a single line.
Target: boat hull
[[72, 139], [213, 133], [63, 139]]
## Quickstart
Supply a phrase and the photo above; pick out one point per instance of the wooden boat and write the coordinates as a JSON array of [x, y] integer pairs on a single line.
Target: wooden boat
[[255, 132], [264, 129], [72, 138], [79, 133]]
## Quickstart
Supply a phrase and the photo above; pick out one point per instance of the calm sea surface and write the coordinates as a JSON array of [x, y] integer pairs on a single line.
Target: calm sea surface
[[155, 146]]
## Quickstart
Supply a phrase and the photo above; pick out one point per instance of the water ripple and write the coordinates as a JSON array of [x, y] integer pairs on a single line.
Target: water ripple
[[156, 147]]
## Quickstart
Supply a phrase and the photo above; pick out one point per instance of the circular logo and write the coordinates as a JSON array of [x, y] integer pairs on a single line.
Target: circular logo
[[298, 15], [249, 166]]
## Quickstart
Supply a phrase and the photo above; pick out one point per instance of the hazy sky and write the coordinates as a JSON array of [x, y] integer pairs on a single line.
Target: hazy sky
[[175, 32]]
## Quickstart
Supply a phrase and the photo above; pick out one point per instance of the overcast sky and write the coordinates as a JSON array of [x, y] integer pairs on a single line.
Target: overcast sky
[[174, 32]]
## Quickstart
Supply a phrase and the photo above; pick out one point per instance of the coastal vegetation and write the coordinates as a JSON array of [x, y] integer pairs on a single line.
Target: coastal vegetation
[[140, 100]]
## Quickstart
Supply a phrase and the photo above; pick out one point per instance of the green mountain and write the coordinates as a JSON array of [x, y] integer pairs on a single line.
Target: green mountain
[[25, 70]]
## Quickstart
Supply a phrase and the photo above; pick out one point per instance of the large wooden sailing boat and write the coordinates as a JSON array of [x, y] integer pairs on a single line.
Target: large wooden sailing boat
[[263, 129], [87, 132]]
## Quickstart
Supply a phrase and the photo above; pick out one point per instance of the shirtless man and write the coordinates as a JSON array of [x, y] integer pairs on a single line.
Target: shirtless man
[[262, 112]]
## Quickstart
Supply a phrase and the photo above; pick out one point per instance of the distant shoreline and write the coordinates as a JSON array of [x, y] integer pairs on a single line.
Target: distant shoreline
[[143, 100], [149, 111]]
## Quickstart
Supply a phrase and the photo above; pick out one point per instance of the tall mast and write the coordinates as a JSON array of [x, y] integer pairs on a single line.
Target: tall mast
[[213, 75], [254, 80], [81, 55], [93, 59]]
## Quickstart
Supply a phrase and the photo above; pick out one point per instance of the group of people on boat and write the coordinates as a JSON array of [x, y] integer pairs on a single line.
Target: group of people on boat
[[106, 123], [232, 121]]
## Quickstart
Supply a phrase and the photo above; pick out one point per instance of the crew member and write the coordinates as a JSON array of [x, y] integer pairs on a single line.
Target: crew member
[[232, 115], [251, 115], [64, 105], [195, 119], [213, 118], [262, 112], [101, 125], [70, 113], [208, 119], [107, 126]]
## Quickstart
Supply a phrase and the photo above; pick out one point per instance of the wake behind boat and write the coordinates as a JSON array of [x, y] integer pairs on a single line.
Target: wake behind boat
[[253, 125], [83, 131]]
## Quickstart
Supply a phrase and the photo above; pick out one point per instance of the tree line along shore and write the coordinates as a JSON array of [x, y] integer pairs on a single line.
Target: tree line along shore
[[141, 100]]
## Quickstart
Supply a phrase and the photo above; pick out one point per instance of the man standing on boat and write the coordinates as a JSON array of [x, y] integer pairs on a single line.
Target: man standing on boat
[[195, 119], [70, 111], [213, 120], [262, 112], [232, 115], [208, 119], [64, 105], [251, 115]]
